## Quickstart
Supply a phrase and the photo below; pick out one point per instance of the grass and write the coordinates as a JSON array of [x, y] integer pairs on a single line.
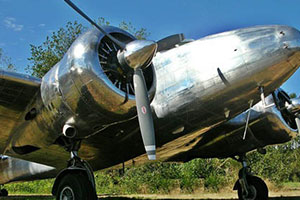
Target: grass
[[279, 166], [31, 187], [291, 185], [153, 178]]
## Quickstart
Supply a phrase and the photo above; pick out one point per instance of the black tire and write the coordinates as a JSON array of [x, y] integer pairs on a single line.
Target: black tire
[[258, 189], [3, 193], [76, 187]]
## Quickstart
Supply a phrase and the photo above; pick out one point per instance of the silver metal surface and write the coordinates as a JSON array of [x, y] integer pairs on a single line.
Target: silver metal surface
[[267, 126], [20, 78], [81, 92], [12, 169], [16, 92], [189, 86], [196, 86], [294, 107], [138, 53]]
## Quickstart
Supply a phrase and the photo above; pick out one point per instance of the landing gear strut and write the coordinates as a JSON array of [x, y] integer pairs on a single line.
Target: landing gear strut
[[77, 181], [3, 192], [250, 187]]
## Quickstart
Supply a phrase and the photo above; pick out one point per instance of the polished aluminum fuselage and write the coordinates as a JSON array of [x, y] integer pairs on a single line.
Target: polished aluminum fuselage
[[190, 87], [196, 86]]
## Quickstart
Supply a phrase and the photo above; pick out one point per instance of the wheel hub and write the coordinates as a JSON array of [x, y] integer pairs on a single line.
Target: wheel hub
[[67, 194], [251, 193]]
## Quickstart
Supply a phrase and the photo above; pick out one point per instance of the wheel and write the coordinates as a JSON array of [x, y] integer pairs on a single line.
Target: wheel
[[3, 193], [75, 187], [258, 189]]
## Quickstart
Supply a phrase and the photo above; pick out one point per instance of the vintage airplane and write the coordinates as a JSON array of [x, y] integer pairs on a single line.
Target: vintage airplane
[[214, 97]]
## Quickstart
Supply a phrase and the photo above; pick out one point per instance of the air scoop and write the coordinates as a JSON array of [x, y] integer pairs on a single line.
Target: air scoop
[[138, 53]]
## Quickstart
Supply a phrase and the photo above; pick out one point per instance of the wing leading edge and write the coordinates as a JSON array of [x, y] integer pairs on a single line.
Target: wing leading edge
[[16, 92]]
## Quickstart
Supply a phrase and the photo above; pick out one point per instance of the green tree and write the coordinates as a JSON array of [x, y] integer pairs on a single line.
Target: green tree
[[293, 95], [45, 56], [5, 62], [140, 34]]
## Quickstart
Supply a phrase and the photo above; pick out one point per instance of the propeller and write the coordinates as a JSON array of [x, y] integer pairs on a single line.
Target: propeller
[[292, 106], [137, 55], [297, 119]]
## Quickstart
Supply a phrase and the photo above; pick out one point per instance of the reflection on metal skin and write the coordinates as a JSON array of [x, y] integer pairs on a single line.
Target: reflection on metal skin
[[294, 107], [79, 88], [197, 85], [267, 126], [12, 169], [138, 53], [189, 84]]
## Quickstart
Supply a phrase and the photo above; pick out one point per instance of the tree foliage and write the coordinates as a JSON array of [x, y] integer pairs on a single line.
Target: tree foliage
[[293, 95], [45, 56], [5, 62]]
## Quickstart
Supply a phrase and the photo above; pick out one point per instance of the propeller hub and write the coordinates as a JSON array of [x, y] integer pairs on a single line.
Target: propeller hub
[[138, 53]]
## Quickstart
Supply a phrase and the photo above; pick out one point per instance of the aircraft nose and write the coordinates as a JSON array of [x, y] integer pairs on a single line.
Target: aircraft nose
[[289, 37], [279, 56], [271, 54]]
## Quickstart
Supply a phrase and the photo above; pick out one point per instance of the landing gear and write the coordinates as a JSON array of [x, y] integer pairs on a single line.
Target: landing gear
[[77, 181], [250, 187], [257, 189], [3, 193], [75, 186]]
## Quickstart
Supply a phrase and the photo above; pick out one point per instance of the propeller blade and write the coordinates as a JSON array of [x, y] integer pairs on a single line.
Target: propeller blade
[[119, 43], [297, 119], [144, 113]]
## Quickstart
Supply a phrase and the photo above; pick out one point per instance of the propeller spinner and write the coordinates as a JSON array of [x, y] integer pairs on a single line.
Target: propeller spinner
[[138, 55]]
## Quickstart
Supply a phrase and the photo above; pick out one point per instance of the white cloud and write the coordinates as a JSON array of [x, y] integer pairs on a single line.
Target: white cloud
[[42, 25], [10, 23]]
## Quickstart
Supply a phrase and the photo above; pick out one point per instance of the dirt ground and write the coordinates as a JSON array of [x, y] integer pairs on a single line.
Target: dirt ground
[[217, 196], [280, 195], [286, 195]]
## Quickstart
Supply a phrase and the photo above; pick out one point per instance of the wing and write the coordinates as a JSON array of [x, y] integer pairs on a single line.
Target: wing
[[16, 92]]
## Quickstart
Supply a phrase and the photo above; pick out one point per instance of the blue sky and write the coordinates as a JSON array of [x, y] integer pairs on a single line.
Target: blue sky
[[25, 22]]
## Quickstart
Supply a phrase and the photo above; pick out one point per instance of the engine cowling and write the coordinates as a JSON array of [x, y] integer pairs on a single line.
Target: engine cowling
[[272, 125], [88, 87]]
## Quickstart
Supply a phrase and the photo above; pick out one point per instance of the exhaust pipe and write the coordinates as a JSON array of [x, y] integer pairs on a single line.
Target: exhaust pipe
[[69, 131]]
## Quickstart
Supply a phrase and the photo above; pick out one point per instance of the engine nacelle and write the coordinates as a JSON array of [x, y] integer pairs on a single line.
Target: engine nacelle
[[267, 126], [88, 85]]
